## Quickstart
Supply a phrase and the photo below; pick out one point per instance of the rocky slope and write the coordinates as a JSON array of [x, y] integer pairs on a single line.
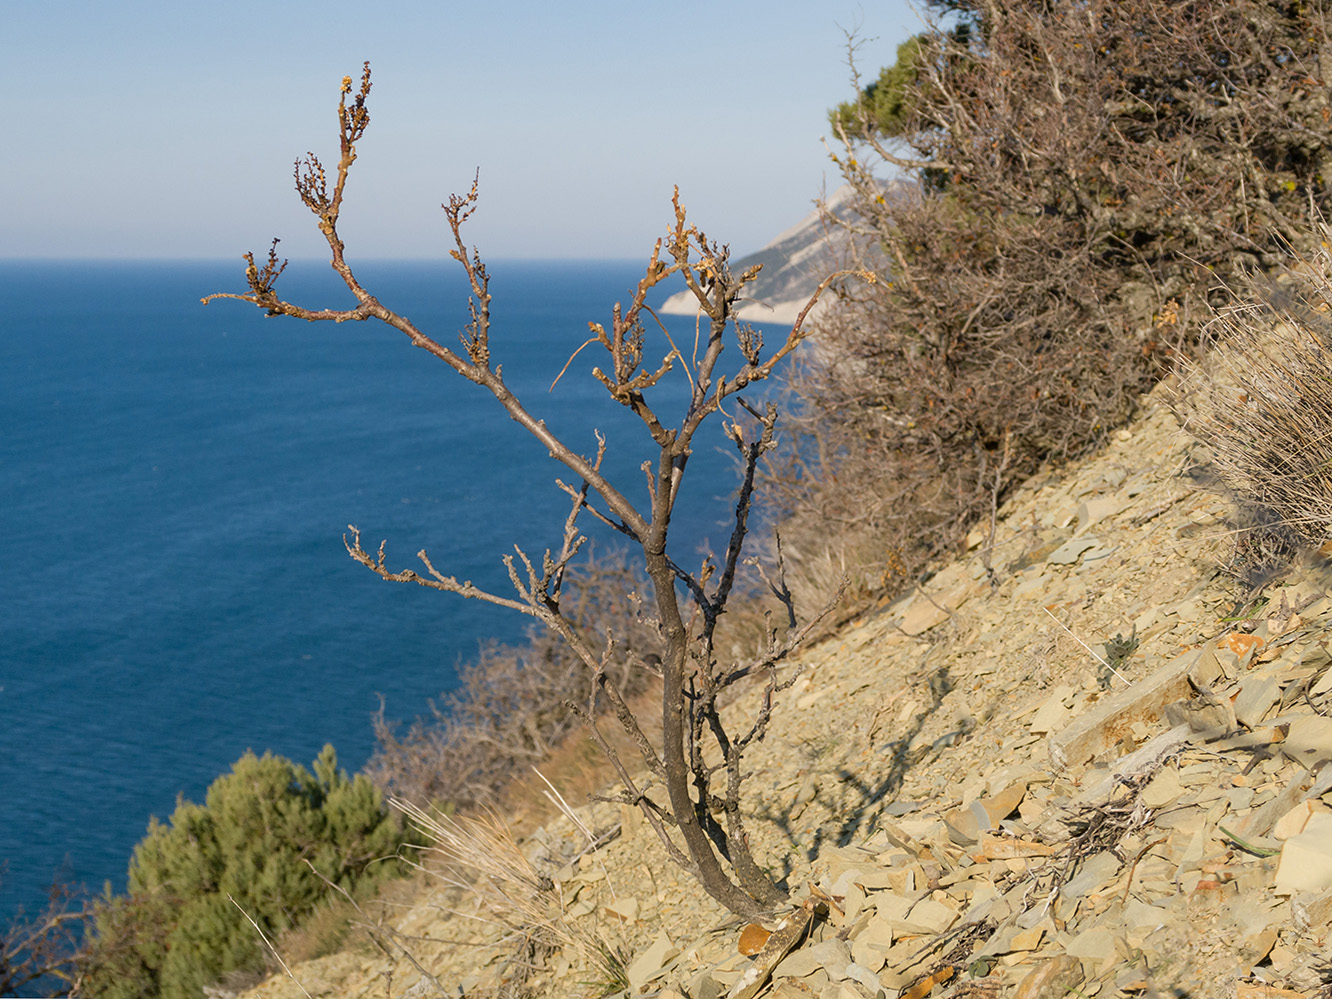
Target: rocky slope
[[1067, 764]]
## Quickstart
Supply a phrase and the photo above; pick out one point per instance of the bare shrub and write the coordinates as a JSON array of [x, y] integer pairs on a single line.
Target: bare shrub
[[1084, 175], [1262, 402], [700, 758], [512, 704], [39, 951]]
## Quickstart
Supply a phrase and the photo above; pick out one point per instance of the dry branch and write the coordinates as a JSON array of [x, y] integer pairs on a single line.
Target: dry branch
[[692, 675]]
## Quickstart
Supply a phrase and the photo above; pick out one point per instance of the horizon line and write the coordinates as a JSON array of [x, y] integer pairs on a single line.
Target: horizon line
[[305, 260]]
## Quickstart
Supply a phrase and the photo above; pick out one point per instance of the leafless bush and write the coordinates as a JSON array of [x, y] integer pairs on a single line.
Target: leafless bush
[[1262, 401], [511, 705], [700, 758], [1085, 173], [38, 951]]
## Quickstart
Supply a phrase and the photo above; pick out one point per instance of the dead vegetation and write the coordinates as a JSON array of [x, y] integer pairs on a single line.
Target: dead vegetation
[[510, 709], [1086, 178], [38, 950], [1261, 400], [699, 762]]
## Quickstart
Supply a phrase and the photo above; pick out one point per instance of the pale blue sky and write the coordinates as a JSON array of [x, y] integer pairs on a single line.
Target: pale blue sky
[[169, 129]]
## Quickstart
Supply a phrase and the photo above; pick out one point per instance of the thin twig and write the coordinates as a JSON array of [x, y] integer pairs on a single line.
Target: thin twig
[[557, 799], [263, 936], [1088, 648]]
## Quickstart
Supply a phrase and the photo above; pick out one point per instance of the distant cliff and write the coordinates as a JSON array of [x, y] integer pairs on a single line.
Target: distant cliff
[[793, 265]]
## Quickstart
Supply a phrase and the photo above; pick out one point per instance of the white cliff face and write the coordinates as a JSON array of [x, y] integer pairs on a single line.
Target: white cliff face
[[793, 265]]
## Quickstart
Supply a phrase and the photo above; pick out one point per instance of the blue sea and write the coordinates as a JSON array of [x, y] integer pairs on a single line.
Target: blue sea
[[175, 481]]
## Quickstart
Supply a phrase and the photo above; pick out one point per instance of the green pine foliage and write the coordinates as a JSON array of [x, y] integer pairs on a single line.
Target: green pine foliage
[[889, 106], [260, 831], [888, 102]]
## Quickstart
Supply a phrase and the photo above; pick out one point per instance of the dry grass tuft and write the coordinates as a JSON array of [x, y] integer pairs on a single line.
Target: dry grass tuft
[[1262, 402], [480, 855], [323, 932]]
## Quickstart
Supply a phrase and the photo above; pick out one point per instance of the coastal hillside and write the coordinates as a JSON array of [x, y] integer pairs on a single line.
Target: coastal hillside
[[1074, 761], [1011, 678], [1074, 741]]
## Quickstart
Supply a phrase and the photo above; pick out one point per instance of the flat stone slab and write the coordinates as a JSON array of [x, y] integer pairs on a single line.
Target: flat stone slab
[[789, 932], [1306, 859], [1069, 552], [1144, 703]]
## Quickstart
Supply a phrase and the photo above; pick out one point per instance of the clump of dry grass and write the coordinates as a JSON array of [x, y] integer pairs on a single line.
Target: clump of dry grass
[[1262, 402], [479, 854], [323, 932]]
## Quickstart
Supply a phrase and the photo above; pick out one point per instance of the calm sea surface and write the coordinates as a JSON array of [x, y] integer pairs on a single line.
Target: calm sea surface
[[175, 481]]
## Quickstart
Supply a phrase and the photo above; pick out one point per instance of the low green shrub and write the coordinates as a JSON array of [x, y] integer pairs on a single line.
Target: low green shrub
[[264, 831]]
